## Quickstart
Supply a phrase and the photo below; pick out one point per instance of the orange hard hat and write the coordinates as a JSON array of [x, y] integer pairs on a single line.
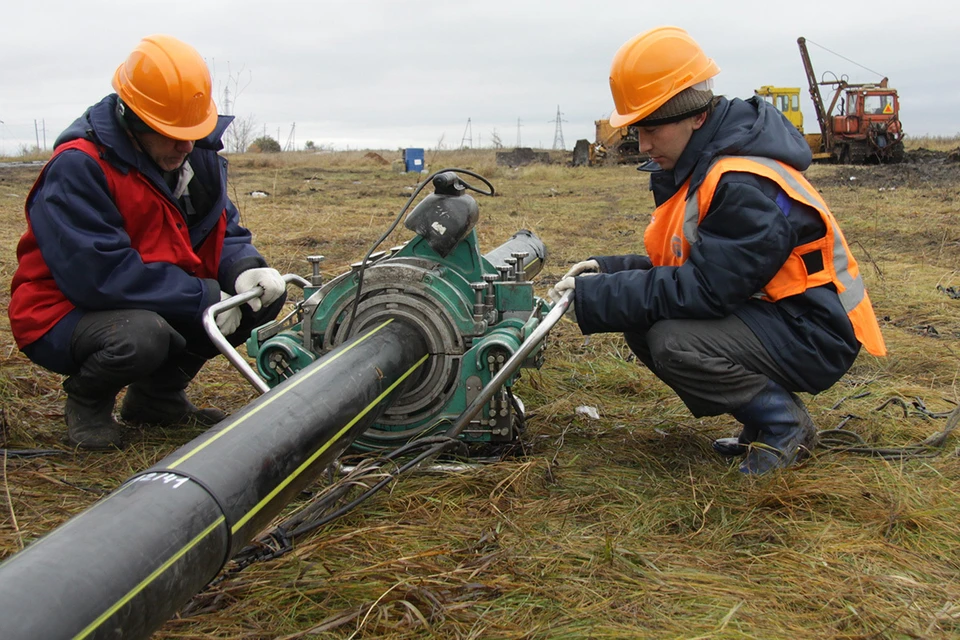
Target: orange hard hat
[[166, 84], [653, 67]]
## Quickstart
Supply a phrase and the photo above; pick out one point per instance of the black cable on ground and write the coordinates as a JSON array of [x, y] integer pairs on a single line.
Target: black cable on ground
[[33, 453], [840, 439], [280, 540]]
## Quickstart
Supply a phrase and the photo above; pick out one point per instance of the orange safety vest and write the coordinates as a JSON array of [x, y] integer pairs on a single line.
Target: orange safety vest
[[675, 223]]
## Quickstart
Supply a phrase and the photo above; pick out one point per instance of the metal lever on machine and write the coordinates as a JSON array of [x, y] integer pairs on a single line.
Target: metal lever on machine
[[216, 336], [510, 366]]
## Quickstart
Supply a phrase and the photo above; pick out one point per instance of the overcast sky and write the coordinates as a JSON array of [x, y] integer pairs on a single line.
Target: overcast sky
[[386, 74]]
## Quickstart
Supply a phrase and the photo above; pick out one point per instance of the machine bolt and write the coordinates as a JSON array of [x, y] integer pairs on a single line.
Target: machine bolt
[[504, 270], [479, 308], [519, 256], [491, 299], [315, 278]]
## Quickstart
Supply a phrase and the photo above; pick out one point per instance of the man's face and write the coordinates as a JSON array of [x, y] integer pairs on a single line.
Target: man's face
[[168, 153], [664, 143]]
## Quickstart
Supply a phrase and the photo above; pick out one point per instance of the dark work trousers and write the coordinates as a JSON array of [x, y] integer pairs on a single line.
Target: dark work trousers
[[113, 349], [714, 366]]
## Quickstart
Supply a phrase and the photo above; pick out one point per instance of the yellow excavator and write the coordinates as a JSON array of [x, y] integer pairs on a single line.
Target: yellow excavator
[[787, 101]]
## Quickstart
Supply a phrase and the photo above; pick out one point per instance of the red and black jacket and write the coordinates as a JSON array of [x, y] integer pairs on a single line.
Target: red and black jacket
[[104, 232]]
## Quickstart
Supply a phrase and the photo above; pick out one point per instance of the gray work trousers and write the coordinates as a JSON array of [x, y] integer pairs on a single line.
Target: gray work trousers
[[714, 366]]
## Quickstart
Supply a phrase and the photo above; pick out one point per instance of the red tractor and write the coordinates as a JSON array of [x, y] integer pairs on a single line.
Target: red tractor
[[866, 127]]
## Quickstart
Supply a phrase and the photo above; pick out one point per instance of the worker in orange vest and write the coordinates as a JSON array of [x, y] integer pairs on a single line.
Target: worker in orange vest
[[747, 291]]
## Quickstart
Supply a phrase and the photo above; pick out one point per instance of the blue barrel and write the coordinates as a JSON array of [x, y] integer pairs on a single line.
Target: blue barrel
[[413, 160]]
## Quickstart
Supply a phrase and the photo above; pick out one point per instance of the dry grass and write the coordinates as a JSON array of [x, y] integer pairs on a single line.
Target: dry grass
[[935, 143], [627, 526]]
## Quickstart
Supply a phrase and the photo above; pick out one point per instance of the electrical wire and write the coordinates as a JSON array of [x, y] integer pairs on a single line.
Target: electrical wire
[[32, 453], [843, 440], [280, 540]]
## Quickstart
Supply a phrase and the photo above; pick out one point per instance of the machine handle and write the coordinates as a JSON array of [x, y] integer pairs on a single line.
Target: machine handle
[[216, 336]]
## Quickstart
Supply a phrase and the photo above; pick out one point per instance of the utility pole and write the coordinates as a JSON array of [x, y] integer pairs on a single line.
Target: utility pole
[[558, 131], [518, 132], [466, 142], [291, 144], [36, 132]]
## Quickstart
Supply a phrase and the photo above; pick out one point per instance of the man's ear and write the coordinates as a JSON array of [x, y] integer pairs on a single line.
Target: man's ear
[[699, 119]]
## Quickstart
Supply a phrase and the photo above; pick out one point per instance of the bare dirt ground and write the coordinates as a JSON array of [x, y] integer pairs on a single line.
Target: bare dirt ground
[[921, 168]]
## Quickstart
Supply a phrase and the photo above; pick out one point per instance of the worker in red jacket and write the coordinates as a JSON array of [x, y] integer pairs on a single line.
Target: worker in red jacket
[[130, 237], [747, 291]]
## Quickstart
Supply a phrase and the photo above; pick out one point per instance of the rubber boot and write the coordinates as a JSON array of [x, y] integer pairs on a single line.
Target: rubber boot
[[161, 400], [148, 405], [89, 418], [785, 432]]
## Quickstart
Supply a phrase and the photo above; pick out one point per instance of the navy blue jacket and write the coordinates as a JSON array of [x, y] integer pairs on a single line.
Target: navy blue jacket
[[744, 239], [72, 213]]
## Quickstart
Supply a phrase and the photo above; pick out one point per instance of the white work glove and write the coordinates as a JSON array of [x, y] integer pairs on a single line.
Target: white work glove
[[271, 281], [229, 320], [556, 292], [586, 268]]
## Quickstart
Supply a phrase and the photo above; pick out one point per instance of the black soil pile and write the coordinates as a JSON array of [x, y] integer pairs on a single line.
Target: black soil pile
[[921, 168]]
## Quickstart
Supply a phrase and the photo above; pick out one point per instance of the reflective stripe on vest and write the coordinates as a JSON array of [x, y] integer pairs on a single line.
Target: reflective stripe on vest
[[839, 267]]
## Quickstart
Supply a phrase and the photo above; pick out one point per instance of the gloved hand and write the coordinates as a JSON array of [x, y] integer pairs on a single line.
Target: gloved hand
[[271, 281], [586, 268], [556, 292], [229, 320]]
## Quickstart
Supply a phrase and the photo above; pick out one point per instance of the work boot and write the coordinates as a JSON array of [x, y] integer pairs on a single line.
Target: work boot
[[90, 423], [144, 404], [785, 432]]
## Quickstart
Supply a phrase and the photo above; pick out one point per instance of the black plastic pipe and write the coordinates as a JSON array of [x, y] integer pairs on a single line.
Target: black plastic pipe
[[521, 241], [124, 566]]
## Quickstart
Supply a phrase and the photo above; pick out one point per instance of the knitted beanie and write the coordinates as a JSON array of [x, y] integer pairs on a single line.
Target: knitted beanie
[[685, 104]]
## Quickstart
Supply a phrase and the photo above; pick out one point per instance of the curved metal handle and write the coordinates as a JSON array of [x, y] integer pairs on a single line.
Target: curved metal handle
[[512, 364], [216, 336]]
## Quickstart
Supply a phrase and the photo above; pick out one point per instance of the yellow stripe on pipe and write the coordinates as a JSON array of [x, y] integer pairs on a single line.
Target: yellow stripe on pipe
[[166, 565], [146, 581], [309, 461], [277, 396]]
